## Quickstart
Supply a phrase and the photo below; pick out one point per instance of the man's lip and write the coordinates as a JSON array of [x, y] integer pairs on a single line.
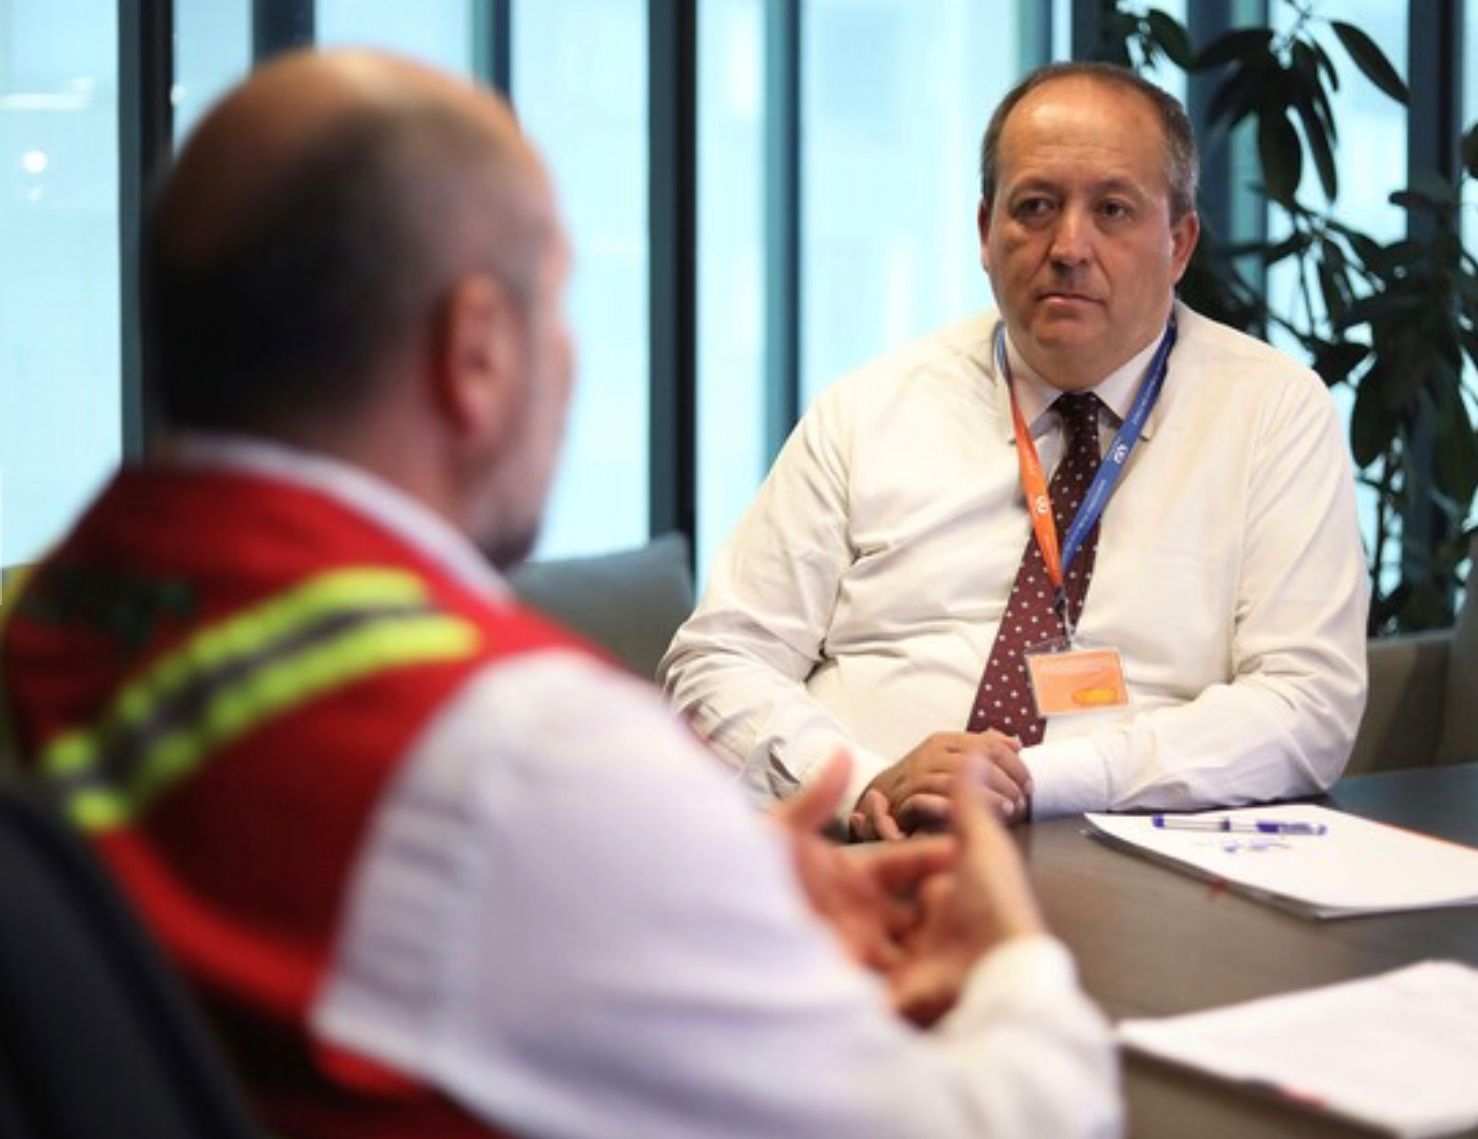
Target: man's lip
[[1063, 295]]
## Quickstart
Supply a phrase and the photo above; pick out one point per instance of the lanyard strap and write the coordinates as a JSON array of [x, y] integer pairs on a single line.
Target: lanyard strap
[[1110, 470]]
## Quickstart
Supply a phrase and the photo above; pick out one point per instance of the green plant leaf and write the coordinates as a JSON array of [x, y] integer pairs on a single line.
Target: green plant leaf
[[1240, 43], [1470, 151], [1336, 361], [1280, 154], [1327, 64], [1370, 59], [1318, 142], [1237, 95], [1371, 427], [1172, 37]]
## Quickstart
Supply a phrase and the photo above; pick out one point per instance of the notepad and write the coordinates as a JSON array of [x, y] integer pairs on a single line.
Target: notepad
[[1398, 1052], [1355, 867]]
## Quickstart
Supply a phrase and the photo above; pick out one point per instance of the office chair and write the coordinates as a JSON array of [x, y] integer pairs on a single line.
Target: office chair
[[97, 1040]]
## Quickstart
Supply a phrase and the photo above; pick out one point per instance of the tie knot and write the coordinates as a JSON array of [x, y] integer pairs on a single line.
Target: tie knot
[[1079, 411]]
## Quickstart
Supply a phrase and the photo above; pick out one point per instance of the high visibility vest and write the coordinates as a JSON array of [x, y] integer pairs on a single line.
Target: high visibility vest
[[221, 673]]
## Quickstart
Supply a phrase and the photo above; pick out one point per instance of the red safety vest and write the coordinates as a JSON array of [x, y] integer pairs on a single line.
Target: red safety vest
[[222, 672]]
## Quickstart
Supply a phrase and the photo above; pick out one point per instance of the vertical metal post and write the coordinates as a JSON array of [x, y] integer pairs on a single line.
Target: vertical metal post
[[1434, 70], [492, 44], [145, 132], [782, 127], [672, 140], [279, 25]]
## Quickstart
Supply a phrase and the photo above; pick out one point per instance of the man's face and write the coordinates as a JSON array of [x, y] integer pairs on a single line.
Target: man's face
[[1082, 256]]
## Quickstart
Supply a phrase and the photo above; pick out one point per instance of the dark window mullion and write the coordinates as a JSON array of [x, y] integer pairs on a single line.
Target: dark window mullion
[[279, 25], [782, 278], [145, 133], [672, 216]]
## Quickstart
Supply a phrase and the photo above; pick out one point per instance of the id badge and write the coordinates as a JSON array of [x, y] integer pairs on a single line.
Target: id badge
[[1069, 678]]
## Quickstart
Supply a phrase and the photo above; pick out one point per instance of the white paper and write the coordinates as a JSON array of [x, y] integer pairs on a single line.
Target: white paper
[[1356, 867], [1398, 1051]]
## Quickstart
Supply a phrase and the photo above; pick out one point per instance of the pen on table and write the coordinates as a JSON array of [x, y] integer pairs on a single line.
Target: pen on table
[[1237, 826]]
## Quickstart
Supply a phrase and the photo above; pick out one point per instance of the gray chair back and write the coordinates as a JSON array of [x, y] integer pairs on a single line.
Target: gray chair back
[[630, 602]]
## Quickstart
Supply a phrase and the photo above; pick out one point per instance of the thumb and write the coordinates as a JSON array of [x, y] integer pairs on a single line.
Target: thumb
[[971, 821], [816, 803]]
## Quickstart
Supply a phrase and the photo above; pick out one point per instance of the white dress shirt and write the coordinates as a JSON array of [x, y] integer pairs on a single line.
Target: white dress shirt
[[857, 602], [567, 919]]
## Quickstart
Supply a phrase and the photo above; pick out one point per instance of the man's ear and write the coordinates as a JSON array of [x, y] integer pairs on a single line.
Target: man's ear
[[982, 227], [477, 358], [1183, 237]]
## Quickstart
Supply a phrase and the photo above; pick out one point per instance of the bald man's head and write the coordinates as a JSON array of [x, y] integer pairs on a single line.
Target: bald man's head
[[299, 250]]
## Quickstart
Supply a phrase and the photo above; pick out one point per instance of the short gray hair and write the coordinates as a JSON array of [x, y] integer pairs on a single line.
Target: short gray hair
[[1182, 162]]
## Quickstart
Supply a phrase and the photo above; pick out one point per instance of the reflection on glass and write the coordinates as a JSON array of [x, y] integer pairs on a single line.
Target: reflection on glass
[[60, 416]]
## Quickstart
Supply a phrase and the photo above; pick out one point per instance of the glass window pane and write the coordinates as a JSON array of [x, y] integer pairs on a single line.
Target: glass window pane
[[439, 33], [731, 251], [212, 50], [580, 84], [1370, 164], [60, 415], [896, 96]]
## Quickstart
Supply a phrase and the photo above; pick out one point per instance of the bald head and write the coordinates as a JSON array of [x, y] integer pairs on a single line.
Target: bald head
[[297, 252]]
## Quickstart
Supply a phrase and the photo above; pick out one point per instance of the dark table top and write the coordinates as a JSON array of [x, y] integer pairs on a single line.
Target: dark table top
[[1152, 941]]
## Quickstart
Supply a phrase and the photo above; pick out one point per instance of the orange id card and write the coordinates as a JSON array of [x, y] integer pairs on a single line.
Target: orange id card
[[1078, 680]]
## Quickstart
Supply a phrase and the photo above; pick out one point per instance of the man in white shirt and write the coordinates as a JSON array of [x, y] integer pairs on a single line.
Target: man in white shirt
[[858, 604], [431, 866]]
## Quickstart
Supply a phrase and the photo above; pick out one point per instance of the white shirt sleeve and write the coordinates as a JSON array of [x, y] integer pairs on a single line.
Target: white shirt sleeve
[[738, 667], [567, 920]]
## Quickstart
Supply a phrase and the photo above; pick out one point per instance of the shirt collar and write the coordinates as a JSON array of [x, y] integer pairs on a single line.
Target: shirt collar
[[1117, 390], [350, 486]]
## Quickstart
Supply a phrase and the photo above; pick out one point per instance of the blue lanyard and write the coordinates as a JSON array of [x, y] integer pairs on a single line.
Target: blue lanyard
[[1111, 469]]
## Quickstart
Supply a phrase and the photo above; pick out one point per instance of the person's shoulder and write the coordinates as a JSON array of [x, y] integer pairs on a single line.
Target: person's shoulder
[[1220, 356], [558, 716], [959, 348]]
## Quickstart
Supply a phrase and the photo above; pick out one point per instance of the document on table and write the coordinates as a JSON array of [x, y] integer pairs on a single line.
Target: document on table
[[1398, 1051], [1354, 866]]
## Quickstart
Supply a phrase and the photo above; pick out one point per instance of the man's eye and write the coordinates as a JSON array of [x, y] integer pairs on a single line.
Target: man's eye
[[1115, 211], [1033, 207]]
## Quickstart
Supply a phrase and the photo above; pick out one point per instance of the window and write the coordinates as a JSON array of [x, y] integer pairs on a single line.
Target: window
[[579, 81], [60, 415]]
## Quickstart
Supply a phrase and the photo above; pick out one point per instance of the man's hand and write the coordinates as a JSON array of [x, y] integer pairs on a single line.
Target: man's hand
[[914, 794], [965, 912], [868, 898]]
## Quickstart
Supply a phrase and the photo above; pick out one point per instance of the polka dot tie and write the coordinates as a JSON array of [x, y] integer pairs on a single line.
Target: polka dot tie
[[1004, 699]]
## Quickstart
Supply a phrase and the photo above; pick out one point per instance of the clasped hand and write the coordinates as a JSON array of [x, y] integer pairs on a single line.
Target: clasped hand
[[918, 913]]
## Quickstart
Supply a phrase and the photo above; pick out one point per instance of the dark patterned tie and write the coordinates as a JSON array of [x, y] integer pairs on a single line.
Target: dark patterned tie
[[1004, 699]]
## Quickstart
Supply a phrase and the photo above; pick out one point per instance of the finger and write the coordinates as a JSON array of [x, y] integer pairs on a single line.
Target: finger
[[859, 826], [1012, 765], [900, 867], [1003, 787], [924, 811], [817, 802], [931, 783], [880, 817], [974, 821]]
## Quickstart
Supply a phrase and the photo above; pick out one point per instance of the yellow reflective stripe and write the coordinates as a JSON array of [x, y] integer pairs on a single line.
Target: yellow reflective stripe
[[331, 663], [10, 591], [251, 631]]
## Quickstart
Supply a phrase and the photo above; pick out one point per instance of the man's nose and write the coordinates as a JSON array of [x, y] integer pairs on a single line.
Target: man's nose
[[1070, 237]]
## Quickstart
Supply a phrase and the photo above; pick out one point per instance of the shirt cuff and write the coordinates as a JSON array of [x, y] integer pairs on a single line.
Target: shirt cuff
[[1068, 777], [1019, 972]]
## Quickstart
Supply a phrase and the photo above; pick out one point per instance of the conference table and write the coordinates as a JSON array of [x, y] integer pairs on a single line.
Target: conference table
[[1153, 941]]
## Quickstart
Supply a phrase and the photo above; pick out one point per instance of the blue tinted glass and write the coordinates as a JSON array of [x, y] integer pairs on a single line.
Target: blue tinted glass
[[580, 84], [60, 415]]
